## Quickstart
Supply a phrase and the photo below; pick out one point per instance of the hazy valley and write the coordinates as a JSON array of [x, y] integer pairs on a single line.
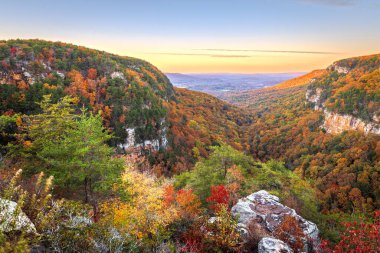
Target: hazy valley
[[220, 84]]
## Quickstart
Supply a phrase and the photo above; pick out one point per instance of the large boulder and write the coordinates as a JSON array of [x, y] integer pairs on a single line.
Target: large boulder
[[265, 209], [13, 219], [272, 245]]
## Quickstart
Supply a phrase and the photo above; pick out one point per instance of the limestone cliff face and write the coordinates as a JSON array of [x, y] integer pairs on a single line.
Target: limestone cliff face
[[336, 123], [161, 141]]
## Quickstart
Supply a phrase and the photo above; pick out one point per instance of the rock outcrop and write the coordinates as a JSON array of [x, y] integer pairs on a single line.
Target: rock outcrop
[[335, 123], [13, 219], [265, 209], [155, 144], [315, 98], [272, 245], [338, 67]]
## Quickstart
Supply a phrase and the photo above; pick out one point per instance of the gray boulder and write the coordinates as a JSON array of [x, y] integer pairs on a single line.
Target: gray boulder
[[272, 245], [266, 210], [13, 219]]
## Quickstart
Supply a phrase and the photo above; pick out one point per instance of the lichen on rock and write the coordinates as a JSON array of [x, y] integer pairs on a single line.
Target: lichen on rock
[[266, 209], [13, 219]]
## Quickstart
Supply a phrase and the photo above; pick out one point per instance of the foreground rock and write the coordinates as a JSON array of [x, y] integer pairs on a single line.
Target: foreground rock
[[272, 245], [12, 219], [265, 209]]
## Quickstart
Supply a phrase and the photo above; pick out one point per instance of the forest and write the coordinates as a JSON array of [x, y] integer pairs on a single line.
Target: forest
[[74, 187]]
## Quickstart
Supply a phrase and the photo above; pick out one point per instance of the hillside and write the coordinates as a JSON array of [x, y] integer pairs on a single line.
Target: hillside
[[349, 95], [138, 104], [129, 93], [299, 81], [283, 125], [198, 121]]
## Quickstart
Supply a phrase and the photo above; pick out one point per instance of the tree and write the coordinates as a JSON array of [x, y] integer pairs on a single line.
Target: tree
[[46, 128], [91, 73], [184, 200], [83, 157], [72, 148]]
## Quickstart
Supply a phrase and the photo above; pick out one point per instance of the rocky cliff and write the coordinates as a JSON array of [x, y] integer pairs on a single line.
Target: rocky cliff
[[349, 95]]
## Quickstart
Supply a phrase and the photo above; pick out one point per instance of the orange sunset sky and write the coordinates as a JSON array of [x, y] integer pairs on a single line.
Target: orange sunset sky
[[207, 36]]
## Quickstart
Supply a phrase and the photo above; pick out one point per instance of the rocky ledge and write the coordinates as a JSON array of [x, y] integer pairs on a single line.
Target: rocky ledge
[[336, 123], [266, 210]]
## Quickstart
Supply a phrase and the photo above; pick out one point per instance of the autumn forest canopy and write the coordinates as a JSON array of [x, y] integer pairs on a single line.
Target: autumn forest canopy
[[100, 153]]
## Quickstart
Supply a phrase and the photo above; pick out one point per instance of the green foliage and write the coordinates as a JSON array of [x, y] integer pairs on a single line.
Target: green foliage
[[7, 130], [72, 148], [146, 113], [271, 176], [212, 170]]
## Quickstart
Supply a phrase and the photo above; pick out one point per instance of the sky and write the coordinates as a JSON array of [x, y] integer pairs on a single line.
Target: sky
[[206, 36]]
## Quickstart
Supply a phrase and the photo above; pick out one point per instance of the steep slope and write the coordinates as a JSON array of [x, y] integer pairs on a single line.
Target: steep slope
[[349, 95], [129, 93]]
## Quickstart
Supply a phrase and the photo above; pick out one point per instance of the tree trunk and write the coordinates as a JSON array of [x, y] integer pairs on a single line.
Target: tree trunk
[[86, 189]]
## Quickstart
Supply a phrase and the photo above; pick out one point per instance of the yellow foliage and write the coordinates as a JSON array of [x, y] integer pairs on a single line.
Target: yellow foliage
[[145, 212]]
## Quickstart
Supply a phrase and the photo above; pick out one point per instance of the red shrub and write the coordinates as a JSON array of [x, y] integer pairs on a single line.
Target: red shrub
[[358, 237], [219, 197]]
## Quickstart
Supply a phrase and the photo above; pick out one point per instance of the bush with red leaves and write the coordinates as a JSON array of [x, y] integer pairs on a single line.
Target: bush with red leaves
[[219, 197], [358, 237]]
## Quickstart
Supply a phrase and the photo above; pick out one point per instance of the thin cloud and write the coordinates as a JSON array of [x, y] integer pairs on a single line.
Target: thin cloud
[[264, 51], [341, 3], [208, 55]]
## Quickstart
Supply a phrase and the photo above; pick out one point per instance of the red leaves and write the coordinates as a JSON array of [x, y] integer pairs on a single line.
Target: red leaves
[[13, 50], [358, 237], [219, 196], [169, 195], [291, 233]]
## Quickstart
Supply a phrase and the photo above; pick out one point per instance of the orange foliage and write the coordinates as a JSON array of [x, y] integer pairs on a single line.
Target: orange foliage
[[185, 201], [91, 73]]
